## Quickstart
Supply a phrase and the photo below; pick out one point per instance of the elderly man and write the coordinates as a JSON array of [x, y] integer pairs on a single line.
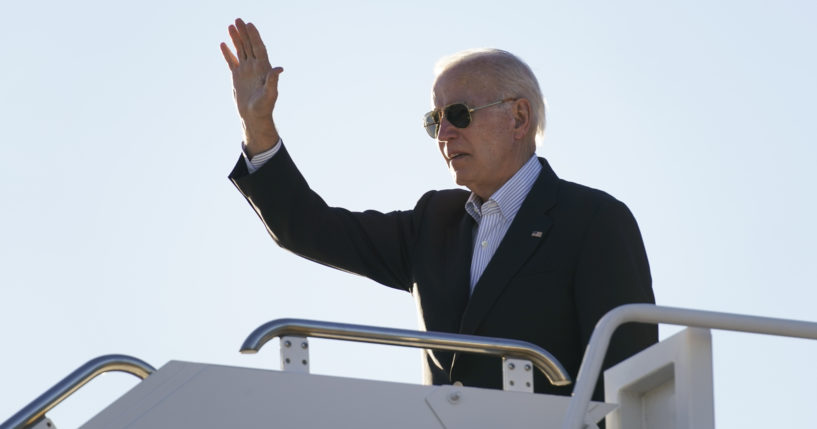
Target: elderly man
[[524, 255]]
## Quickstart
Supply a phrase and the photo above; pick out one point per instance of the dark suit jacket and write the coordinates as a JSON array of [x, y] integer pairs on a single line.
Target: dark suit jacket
[[549, 290]]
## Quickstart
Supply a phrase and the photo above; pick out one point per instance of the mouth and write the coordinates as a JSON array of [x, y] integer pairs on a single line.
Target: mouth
[[455, 156]]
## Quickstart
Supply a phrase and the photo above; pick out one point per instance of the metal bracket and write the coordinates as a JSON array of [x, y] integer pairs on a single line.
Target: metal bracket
[[294, 354], [44, 423], [517, 375]]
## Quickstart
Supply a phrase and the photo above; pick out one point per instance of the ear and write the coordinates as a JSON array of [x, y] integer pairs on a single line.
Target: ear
[[521, 111]]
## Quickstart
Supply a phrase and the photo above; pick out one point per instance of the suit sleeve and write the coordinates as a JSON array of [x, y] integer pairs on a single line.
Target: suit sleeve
[[373, 244], [613, 270]]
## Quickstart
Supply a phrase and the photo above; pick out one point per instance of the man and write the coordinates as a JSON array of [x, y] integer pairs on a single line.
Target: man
[[524, 255]]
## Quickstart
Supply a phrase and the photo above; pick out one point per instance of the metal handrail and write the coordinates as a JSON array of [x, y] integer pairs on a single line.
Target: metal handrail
[[517, 349], [36, 410], [648, 313]]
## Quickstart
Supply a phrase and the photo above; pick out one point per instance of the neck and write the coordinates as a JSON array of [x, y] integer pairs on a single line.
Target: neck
[[485, 192]]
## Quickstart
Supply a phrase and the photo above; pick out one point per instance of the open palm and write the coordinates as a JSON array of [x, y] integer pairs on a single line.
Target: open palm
[[255, 81]]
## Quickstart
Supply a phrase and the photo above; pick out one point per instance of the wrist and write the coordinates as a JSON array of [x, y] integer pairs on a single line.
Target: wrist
[[259, 136]]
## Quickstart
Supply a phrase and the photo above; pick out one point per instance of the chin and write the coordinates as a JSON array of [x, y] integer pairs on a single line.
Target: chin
[[460, 182], [455, 177]]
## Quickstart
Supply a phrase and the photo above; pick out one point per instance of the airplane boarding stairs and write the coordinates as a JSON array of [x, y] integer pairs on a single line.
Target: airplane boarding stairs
[[668, 385]]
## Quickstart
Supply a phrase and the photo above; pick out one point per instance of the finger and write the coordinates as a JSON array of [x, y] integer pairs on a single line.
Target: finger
[[232, 61], [239, 46], [257, 44], [245, 37]]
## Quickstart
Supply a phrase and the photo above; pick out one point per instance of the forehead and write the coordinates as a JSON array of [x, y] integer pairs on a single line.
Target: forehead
[[462, 85]]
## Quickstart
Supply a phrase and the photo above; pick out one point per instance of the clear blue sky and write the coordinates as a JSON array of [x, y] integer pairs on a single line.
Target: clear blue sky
[[120, 233]]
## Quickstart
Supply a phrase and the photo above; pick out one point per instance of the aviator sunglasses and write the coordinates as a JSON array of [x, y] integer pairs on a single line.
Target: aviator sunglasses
[[458, 114]]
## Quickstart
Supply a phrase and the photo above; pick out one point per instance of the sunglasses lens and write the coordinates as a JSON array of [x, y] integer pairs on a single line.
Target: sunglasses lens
[[458, 115], [431, 122]]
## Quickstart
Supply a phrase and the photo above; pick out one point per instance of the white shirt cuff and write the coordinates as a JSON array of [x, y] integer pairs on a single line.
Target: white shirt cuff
[[260, 159]]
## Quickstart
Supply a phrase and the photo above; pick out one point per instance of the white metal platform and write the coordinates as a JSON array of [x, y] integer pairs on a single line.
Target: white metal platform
[[194, 395]]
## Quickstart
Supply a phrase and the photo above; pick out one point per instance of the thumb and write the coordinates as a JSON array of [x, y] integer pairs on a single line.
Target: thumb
[[271, 82]]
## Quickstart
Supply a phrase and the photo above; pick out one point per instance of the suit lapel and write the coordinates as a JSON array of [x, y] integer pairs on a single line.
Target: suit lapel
[[528, 230], [459, 244], [459, 275]]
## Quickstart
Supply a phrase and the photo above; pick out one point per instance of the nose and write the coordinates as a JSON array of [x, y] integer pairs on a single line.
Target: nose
[[447, 131]]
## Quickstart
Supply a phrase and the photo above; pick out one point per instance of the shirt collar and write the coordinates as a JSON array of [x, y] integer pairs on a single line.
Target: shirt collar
[[508, 197]]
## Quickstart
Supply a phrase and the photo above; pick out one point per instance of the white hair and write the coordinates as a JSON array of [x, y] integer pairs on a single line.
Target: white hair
[[512, 77]]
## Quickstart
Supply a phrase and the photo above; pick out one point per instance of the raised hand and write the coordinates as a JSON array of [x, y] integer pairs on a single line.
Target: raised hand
[[255, 86]]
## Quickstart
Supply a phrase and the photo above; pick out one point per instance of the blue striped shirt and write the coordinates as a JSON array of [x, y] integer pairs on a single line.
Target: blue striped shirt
[[494, 217]]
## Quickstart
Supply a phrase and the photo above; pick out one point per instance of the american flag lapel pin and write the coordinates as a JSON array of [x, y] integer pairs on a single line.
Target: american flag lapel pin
[[537, 234]]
